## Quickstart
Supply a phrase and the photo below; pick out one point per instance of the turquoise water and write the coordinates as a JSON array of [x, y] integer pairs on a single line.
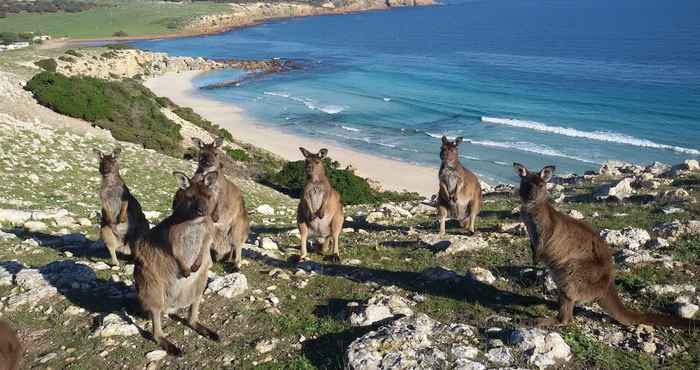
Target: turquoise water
[[570, 83]]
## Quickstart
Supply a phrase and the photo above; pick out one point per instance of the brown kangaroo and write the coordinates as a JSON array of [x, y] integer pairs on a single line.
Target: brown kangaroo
[[10, 348], [320, 211], [580, 261], [229, 215], [459, 196], [123, 221], [172, 260]]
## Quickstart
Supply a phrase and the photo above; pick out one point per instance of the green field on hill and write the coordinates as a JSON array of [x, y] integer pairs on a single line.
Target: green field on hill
[[135, 18]]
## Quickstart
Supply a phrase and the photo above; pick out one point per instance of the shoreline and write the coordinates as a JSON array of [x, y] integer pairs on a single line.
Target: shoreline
[[91, 42], [392, 174]]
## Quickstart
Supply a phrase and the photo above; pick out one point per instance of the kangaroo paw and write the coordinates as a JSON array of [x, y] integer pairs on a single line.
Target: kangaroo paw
[[299, 259], [169, 347], [333, 258]]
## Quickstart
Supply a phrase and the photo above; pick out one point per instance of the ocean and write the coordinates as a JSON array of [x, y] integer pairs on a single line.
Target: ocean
[[563, 82]]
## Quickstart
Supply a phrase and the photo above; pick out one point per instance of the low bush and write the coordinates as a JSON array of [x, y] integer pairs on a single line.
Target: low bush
[[66, 58], [189, 115], [237, 154], [74, 53], [125, 108], [48, 65], [119, 46], [120, 34], [352, 188]]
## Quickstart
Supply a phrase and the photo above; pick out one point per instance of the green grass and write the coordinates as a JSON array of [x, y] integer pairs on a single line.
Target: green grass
[[126, 108], [135, 17]]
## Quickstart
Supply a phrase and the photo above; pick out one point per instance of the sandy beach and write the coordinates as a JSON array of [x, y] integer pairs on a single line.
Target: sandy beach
[[394, 175]]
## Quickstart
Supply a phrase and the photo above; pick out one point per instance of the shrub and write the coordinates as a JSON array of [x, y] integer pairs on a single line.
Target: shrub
[[238, 154], [8, 37], [74, 53], [352, 189], [67, 59], [164, 102], [126, 108], [120, 34], [47, 65], [119, 46], [189, 115], [108, 55]]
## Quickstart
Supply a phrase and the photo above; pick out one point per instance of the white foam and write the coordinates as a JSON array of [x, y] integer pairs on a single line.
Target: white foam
[[309, 103], [350, 128], [525, 146], [612, 137], [387, 99]]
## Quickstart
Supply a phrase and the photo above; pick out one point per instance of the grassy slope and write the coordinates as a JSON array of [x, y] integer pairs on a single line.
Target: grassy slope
[[389, 255], [135, 17]]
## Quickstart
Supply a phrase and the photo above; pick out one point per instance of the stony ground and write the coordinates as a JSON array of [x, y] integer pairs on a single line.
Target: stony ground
[[401, 298]]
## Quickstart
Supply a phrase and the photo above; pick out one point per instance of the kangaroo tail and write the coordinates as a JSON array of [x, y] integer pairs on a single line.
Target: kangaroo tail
[[612, 304]]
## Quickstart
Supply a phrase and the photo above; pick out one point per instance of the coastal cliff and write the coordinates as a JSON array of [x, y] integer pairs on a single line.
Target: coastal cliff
[[249, 14]]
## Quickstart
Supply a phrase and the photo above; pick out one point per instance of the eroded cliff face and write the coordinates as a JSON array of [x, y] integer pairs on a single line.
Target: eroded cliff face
[[248, 14], [119, 64]]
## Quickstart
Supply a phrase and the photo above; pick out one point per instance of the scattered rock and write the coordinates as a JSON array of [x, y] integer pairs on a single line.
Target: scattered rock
[[266, 345], [500, 356], [267, 243], [687, 310], [628, 237], [620, 191], [677, 228], [415, 342], [576, 214], [35, 226], [265, 210], [229, 286], [374, 217], [675, 196], [115, 325], [439, 273], [482, 275], [156, 355], [14, 216], [381, 306], [452, 244], [47, 357], [660, 289], [543, 348]]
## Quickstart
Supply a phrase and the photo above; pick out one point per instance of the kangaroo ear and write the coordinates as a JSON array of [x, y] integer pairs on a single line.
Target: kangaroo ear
[[445, 140], [197, 142], [210, 178], [547, 173], [322, 153], [305, 152], [218, 142], [98, 153], [458, 140], [520, 169], [182, 180], [116, 152]]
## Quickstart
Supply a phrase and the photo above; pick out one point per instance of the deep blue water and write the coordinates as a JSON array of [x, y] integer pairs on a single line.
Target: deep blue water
[[566, 82]]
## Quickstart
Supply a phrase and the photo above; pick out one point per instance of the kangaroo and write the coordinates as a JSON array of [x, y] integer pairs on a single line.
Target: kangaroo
[[172, 260], [320, 211], [123, 221], [580, 261], [459, 196], [10, 348], [229, 215]]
